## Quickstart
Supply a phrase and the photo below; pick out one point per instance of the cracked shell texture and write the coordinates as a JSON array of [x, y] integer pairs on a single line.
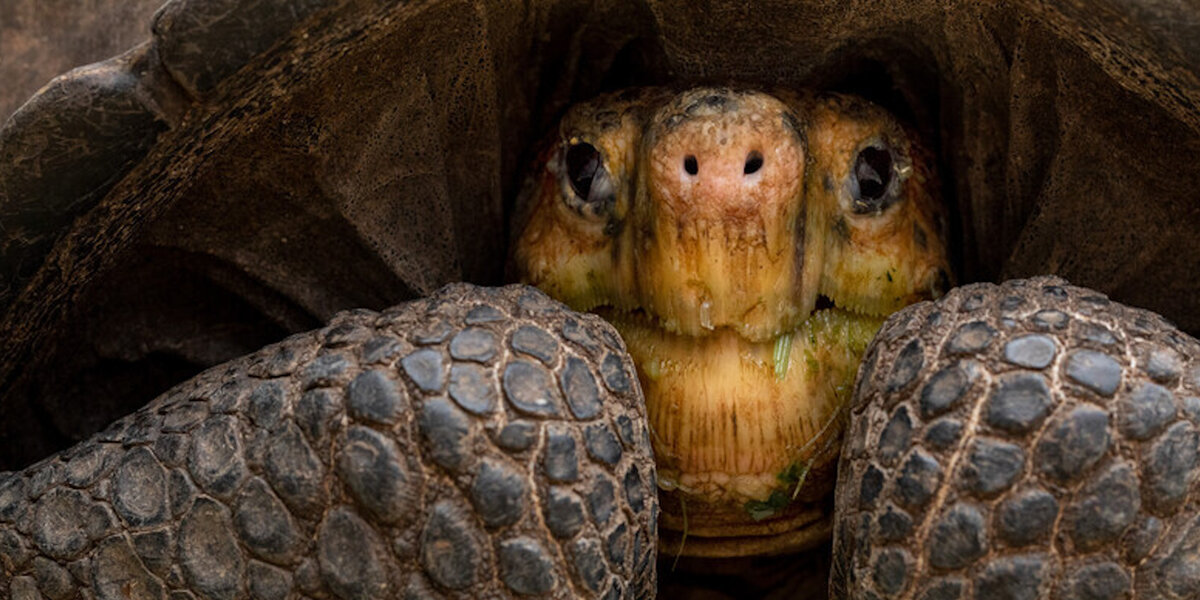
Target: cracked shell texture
[[323, 467], [1071, 472]]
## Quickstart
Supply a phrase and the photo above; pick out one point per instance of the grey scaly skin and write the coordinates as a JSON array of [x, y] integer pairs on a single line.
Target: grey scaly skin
[[478, 443], [1019, 441], [1025, 440]]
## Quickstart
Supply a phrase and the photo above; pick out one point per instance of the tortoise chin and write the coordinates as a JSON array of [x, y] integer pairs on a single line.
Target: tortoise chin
[[745, 433]]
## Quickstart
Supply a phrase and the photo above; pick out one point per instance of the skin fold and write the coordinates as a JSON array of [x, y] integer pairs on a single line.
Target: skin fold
[[747, 246]]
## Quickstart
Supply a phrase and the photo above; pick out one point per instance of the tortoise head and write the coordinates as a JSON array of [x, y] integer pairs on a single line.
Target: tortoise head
[[747, 246]]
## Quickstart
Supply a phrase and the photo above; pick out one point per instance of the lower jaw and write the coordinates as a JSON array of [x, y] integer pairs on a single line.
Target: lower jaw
[[746, 433], [803, 525]]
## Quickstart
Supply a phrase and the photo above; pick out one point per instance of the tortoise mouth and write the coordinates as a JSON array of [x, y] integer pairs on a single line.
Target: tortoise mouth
[[745, 432]]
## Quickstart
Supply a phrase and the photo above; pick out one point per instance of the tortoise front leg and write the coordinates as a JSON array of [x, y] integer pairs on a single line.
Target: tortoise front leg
[[1025, 440], [479, 443]]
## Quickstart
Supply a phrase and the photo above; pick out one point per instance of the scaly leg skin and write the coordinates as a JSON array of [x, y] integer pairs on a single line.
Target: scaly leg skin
[[1025, 440], [479, 443]]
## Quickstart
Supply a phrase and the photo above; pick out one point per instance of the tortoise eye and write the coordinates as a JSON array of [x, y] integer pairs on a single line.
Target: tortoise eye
[[594, 190], [583, 161], [872, 180]]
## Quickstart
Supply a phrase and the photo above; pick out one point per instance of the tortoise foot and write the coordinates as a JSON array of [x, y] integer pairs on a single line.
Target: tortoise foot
[[1025, 440], [479, 443]]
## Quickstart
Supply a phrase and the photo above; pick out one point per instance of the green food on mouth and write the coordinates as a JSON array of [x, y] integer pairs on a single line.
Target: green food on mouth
[[782, 355], [790, 478]]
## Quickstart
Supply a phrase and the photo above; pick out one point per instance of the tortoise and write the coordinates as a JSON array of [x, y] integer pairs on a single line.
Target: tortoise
[[215, 115]]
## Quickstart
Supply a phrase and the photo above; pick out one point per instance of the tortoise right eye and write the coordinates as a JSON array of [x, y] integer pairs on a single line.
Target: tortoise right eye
[[583, 161], [593, 189]]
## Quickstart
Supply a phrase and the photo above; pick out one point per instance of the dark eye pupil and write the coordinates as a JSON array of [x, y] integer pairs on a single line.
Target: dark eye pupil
[[754, 162], [691, 165], [873, 169], [583, 160]]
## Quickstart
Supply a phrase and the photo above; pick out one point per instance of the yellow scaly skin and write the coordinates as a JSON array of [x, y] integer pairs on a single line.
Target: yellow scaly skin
[[715, 220]]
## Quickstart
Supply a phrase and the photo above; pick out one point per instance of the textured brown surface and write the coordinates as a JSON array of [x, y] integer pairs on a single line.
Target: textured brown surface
[[1033, 439], [423, 451], [42, 38], [366, 157]]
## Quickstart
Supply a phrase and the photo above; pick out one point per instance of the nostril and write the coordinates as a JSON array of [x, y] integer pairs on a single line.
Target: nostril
[[754, 162], [690, 165]]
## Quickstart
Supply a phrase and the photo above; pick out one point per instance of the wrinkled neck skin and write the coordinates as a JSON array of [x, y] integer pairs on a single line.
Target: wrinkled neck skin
[[747, 246]]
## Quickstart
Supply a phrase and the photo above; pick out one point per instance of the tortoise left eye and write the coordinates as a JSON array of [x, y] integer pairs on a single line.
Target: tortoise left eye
[[583, 161], [872, 180]]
